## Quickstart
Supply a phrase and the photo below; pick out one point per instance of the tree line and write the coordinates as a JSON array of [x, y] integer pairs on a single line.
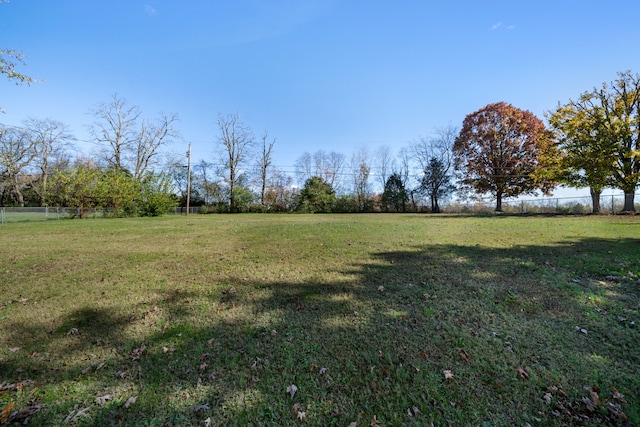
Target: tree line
[[499, 150]]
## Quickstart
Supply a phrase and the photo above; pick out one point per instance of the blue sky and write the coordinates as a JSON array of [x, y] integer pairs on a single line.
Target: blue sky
[[332, 74]]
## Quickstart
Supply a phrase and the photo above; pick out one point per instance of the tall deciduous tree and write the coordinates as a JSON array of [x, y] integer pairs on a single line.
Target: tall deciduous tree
[[498, 151], [384, 164], [263, 165], [127, 141], [360, 171], [51, 138], [328, 166], [616, 114], [587, 157], [17, 152], [435, 157], [237, 143]]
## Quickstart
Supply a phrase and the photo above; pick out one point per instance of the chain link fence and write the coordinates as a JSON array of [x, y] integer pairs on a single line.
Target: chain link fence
[[609, 204]]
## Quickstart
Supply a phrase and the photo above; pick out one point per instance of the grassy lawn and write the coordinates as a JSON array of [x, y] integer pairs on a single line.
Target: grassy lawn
[[375, 319]]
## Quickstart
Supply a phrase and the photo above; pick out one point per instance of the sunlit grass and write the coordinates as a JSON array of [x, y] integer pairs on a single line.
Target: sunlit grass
[[213, 317]]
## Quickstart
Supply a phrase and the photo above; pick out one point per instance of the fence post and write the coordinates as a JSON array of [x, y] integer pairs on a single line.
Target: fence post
[[613, 210]]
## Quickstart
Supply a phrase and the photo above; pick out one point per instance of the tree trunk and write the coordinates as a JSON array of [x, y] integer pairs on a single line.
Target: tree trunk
[[499, 202], [434, 205], [628, 201], [595, 200]]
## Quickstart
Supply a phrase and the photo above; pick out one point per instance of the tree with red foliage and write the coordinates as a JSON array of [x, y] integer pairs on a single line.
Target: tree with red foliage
[[500, 150]]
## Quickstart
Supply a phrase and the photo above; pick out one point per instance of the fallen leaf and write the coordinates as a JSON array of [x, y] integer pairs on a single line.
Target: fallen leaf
[[23, 414], [381, 288], [203, 366], [201, 408], [6, 412], [353, 424], [464, 355], [207, 422], [523, 373], [595, 397], [210, 341], [547, 398], [14, 349], [589, 404], [616, 394], [423, 354], [301, 416], [448, 375], [336, 413], [295, 408], [75, 415], [292, 390], [103, 399], [137, 352], [322, 371], [72, 331], [274, 332], [120, 374], [415, 410], [130, 401], [374, 422]]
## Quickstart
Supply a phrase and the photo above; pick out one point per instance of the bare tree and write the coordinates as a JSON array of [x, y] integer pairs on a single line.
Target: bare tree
[[115, 131], [264, 163], [127, 142], [435, 156], [385, 164], [17, 152], [334, 166], [237, 142], [280, 192], [328, 166], [152, 136], [304, 167], [439, 146], [360, 172], [51, 138], [405, 157]]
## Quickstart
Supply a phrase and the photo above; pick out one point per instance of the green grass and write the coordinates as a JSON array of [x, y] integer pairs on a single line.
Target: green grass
[[213, 317]]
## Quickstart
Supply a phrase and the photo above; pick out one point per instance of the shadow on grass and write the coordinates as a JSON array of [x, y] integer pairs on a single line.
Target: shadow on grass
[[376, 344]]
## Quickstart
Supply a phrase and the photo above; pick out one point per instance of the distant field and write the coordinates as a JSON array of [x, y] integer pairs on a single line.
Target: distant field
[[375, 319]]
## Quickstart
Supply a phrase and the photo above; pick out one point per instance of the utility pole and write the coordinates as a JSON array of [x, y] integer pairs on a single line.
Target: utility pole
[[188, 178]]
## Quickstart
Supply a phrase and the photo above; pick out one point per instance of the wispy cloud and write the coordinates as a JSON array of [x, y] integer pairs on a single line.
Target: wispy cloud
[[499, 25], [150, 10]]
